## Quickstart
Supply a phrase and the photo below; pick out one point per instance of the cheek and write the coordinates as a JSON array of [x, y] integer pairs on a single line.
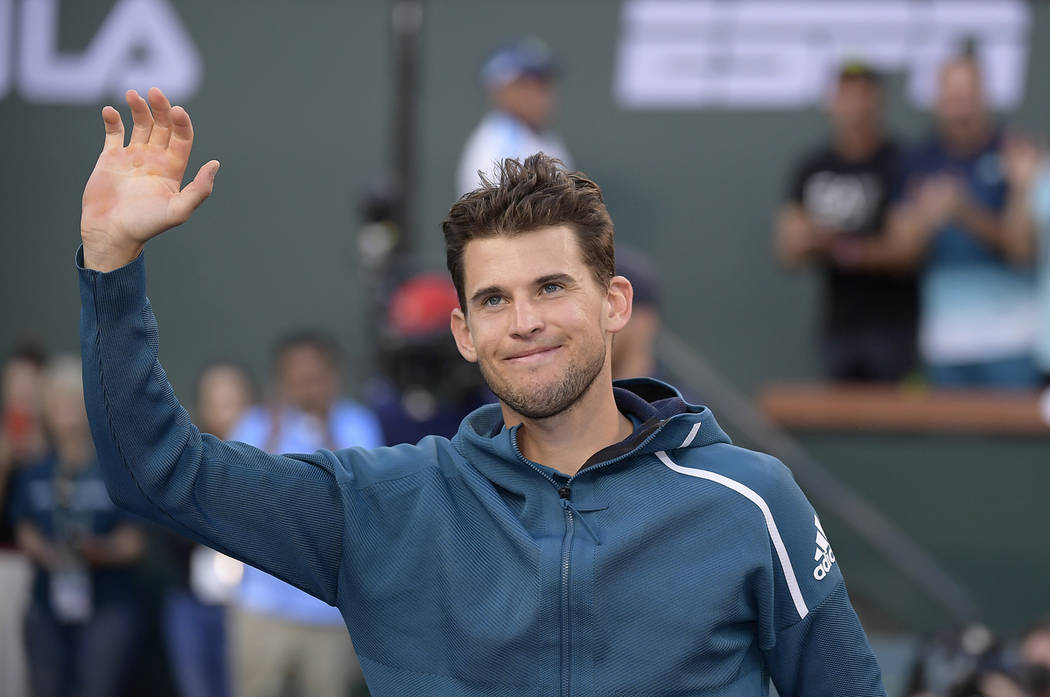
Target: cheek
[[595, 318], [489, 327], [486, 343], [476, 336]]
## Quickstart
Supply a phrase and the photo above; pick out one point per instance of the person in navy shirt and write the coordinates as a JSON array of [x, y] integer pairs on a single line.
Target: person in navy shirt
[[973, 235], [83, 618]]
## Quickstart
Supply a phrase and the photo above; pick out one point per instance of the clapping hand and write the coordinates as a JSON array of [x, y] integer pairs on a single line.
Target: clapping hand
[[1021, 158], [938, 199]]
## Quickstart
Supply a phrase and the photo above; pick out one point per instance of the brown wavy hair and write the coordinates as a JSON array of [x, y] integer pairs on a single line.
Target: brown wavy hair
[[524, 196]]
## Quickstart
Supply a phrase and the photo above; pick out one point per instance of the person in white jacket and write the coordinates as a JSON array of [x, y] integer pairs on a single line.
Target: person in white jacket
[[519, 81]]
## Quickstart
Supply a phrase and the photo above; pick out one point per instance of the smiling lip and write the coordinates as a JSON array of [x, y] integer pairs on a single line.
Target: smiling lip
[[534, 353]]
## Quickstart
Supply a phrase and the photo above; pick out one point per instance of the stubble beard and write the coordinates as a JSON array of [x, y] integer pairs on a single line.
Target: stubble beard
[[552, 399]]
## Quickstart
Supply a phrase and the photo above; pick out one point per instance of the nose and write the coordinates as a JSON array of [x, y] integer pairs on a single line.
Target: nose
[[526, 318]]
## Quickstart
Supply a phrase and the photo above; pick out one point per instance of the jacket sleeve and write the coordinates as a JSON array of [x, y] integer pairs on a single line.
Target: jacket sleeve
[[282, 514], [812, 639], [825, 654]]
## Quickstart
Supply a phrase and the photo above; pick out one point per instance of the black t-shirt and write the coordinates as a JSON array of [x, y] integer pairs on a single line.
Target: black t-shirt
[[854, 198], [7, 531]]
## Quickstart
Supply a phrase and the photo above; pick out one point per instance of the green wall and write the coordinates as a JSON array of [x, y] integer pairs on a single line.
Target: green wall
[[295, 104]]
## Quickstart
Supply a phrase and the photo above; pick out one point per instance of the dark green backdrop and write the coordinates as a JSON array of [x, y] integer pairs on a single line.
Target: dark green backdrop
[[295, 102]]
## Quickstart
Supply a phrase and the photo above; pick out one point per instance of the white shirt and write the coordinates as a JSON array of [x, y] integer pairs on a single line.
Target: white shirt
[[1041, 208], [498, 136]]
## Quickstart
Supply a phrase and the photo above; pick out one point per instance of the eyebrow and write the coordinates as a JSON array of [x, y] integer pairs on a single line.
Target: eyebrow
[[555, 278], [485, 292], [541, 281]]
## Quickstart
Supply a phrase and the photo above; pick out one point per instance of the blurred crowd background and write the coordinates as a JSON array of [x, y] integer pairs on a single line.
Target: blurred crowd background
[[836, 217]]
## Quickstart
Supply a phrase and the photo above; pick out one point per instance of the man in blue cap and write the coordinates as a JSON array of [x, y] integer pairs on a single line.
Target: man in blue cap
[[518, 79]]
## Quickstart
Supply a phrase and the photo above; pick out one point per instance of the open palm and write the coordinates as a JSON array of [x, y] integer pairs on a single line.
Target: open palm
[[135, 191]]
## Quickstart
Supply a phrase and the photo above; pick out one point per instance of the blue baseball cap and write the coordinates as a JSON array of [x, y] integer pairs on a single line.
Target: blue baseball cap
[[526, 56]]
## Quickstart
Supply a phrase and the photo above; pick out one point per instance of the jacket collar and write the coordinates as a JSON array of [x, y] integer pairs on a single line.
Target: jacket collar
[[663, 421]]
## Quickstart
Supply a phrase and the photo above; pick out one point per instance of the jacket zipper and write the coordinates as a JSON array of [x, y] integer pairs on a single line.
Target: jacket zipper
[[566, 638], [566, 553]]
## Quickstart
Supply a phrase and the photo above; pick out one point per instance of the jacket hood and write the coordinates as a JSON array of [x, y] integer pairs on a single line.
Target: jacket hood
[[663, 421]]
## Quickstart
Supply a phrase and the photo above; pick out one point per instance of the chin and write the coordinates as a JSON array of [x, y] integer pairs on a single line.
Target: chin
[[523, 388], [546, 390]]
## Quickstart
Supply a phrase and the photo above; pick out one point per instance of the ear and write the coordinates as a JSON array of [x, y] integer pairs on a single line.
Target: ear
[[618, 302], [461, 333]]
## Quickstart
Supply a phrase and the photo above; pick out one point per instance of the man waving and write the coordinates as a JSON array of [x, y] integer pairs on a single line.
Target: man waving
[[578, 538]]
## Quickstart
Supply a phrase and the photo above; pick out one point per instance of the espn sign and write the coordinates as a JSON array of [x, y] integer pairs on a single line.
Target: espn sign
[[781, 54], [140, 43]]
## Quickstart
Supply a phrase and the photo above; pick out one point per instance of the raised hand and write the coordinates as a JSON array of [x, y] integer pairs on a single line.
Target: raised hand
[[135, 191], [1022, 156]]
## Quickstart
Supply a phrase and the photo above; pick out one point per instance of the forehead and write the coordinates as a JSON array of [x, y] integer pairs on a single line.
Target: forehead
[[507, 260], [959, 76], [304, 355], [857, 86], [223, 377]]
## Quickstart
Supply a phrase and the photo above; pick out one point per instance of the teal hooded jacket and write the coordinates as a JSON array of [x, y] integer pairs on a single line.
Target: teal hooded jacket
[[671, 564]]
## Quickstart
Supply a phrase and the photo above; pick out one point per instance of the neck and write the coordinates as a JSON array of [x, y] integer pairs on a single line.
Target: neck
[[857, 143], [318, 411], [566, 441], [321, 414], [535, 128], [967, 140]]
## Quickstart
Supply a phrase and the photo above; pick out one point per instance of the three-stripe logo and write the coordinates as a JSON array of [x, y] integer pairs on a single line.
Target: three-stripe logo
[[824, 555]]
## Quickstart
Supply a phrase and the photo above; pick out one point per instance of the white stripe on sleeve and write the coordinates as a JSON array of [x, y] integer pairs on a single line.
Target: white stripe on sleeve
[[749, 494]]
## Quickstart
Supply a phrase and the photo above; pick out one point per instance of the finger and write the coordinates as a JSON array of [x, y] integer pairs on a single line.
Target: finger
[[114, 129], [141, 116], [194, 193], [181, 133], [161, 132]]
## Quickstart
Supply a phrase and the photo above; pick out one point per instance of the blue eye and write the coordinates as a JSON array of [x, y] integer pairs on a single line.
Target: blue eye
[[493, 300], [552, 288]]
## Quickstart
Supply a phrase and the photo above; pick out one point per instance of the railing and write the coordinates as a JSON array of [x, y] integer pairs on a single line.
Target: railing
[[904, 409]]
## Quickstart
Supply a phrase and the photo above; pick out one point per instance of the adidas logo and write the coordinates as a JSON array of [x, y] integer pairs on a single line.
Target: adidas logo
[[823, 554]]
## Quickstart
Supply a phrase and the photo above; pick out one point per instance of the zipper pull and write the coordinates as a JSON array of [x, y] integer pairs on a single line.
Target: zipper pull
[[565, 492], [566, 504]]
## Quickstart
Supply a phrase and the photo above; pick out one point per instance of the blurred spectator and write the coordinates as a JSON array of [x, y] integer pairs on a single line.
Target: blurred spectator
[[839, 217], [225, 390], [633, 347], [977, 323], [1028, 169], [21, 441], [988, 683], [950, 660], [82, 620], [194, 607], [281, 635], [427, 388], [518, 79], [1035, 654]]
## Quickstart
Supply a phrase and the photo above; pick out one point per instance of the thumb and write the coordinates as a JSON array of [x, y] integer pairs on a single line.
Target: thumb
[[193, 194]]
